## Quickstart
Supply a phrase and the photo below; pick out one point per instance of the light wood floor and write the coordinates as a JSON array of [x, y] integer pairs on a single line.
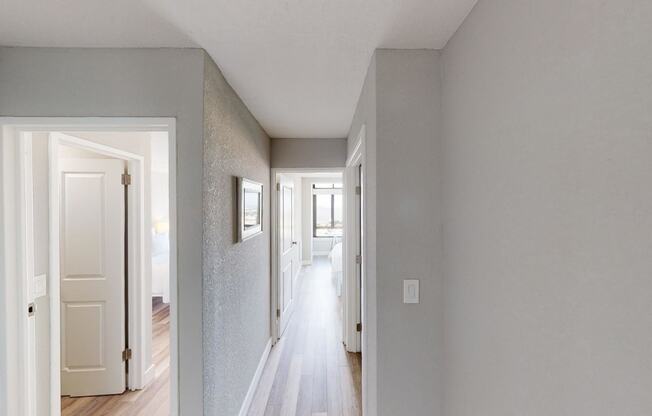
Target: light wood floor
[[154, 400], [309, 372]]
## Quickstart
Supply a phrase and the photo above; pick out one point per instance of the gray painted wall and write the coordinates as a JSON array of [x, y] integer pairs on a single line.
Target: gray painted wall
[[408, 222], [400, 107], [548, 207], [309, 153], [365, 119], [131, 82], [236, 275]]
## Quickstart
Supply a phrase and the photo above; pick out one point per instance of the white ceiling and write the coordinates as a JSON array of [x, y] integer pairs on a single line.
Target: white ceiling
[[298, 65]]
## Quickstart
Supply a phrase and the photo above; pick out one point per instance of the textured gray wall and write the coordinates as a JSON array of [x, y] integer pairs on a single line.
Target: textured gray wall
[[308, 153], [236, 275], [548, 166], [139, 83]]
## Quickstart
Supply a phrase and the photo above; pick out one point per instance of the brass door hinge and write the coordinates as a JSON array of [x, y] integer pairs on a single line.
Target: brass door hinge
[[358, 327], [358, 190], [358, 259], [278, 186], [278, 313], [126, 179], [126, 354]]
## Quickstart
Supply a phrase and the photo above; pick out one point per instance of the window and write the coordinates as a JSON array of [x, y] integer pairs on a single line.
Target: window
[[327, 210]]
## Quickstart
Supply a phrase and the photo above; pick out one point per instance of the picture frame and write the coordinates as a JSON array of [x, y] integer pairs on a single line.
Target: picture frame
[[250, 209]]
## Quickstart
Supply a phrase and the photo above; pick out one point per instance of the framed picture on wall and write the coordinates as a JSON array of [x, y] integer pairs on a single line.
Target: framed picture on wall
[[250, 208]]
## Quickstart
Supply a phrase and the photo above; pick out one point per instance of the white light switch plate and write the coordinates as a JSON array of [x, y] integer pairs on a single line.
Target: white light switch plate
[[40, 285], [410, 291]]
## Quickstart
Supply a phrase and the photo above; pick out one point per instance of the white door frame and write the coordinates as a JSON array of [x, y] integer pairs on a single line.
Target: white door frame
[[13, 177], [274, 220], [354, 294]]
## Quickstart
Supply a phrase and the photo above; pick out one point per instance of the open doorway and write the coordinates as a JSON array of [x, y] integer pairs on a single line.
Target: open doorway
[[309, 370], [97, 220]]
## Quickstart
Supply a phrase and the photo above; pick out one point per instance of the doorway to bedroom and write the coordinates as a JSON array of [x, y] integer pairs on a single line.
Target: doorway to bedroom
[[311, 370]]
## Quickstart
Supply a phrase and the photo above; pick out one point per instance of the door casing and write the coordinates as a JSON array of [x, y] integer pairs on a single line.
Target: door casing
[[275, 255], [15, 400]]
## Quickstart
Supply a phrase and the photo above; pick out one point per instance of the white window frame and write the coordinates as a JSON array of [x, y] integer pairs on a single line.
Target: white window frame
[[325, 191]]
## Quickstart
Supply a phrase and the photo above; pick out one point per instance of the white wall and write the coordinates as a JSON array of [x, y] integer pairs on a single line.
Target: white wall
[[160, 214], [548, 207], [306, 220]]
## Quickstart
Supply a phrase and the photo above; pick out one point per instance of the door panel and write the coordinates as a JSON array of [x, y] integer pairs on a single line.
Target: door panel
[[83, 253], [288, 251], [83, 320], [92, 232]]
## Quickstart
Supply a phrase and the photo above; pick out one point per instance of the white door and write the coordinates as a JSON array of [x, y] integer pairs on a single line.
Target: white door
[[92, 276], [358, 246], [288, 250]]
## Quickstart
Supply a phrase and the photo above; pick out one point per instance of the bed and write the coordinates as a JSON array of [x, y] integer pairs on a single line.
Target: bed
[[335, 257]]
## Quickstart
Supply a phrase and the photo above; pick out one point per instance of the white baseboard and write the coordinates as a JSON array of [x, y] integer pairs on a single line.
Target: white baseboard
[[244, 409], [149, 375], [306, 262]]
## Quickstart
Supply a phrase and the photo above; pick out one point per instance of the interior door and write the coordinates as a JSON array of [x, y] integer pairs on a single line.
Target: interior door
[[92, 250], [359, 265], [288, 251]]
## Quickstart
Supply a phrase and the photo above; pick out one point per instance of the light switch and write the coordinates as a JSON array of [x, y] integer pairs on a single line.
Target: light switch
[[40, 286], [410, 291]]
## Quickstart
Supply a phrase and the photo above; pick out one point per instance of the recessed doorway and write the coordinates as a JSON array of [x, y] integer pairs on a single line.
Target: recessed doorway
[[96, 265]]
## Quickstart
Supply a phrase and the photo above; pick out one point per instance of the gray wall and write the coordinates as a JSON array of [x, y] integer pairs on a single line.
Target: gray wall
[[548, 166], [399, 106], [308, 153], [408, 222], [365, 118], [236, 275], [131, 82]]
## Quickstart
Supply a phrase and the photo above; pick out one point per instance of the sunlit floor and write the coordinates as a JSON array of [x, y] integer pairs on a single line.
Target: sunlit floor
[[154, 400], [309, 372]]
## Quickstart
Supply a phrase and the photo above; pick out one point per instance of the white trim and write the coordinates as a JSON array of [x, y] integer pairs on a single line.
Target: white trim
[[354, 295], [274, 323], [10, 372], [12, 397], [27, 361], [149, 375], [246, 404], [53, 281]]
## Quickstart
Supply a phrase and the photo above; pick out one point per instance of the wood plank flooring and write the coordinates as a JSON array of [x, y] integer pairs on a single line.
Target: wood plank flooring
[[154, 400], [308, 372]]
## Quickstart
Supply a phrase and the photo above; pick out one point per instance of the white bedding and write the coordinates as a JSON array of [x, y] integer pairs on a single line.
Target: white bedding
[[336, 266], [336, 257]]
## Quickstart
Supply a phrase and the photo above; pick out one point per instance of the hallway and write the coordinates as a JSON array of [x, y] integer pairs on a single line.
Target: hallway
[[308, 372]]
